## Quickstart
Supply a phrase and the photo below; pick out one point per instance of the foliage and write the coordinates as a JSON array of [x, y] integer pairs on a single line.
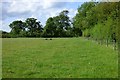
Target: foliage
[[29, 28], [58, 26], [4, 34], [98, 20], [34, 28]]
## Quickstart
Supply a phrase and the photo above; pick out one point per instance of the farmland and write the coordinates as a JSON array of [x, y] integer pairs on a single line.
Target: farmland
[[57, 58]]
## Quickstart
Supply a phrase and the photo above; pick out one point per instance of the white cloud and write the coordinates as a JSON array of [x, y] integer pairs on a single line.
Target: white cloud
[[0, 24], [46, 4], [51, 0], [76, 11], [22, 9], [60, 0], [72, 13], [4, 26], [17, 8], [22, 19]]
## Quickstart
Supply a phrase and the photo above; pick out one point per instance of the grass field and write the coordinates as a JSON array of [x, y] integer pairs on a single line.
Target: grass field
[[57, 58]]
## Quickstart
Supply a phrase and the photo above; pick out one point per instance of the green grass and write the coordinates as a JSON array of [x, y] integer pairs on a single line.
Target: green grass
[[57, 58]]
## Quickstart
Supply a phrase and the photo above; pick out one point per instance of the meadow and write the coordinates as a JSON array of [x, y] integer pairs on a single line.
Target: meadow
[[57, 58]]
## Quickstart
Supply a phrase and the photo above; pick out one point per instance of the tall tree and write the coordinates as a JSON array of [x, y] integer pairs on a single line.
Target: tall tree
[[34, 28], [50, 28], [63, 23], [17, 27], [58, 25]]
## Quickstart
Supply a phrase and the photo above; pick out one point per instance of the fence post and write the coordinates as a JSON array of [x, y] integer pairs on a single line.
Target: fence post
[[114, 44]]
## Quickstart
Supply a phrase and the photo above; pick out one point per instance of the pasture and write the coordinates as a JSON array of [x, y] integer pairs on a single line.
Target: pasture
[[57, 58]]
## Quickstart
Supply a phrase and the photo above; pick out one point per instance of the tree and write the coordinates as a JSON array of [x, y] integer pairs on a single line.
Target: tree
[[62, 22], [58, 25], [84, 19], [98, 21], [50, 28], [34, 28], [17, 27], [4, 34]]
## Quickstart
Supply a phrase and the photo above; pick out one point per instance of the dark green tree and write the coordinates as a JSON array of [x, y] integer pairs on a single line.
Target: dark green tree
[[17, 27], [50, 28], [34, 28], [58, 26]]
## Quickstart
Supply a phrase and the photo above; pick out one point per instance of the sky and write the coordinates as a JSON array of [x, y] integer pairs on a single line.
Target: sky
[[12, 10]]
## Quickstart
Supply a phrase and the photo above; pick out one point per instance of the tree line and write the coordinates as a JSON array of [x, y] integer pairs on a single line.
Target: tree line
[[57, 26], [99, 21], [94, 20]]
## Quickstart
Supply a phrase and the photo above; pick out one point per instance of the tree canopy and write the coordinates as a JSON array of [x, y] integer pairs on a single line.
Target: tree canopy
[[98, 20]]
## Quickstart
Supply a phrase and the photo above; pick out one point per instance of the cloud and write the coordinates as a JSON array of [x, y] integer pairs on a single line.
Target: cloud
[[72, 12], [16, 8], [4, 26], [22, 9], [54, 0], [0, 24]]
